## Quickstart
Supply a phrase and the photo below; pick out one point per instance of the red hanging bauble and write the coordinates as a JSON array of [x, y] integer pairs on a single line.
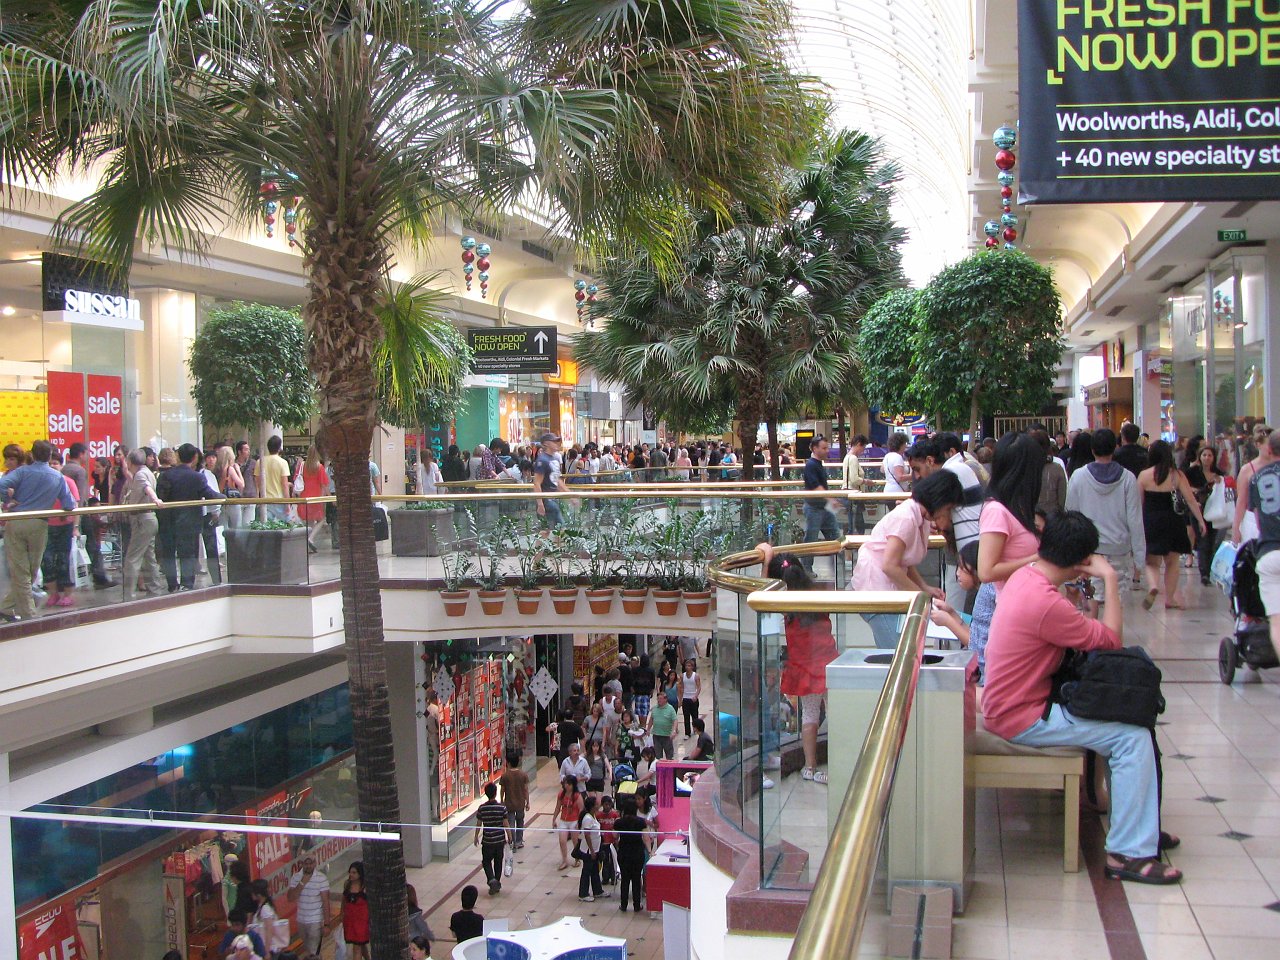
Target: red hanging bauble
[[468, 256], [992, 243], [270, 188], [1005, 159], [483, 263], [579, 296], [1006, 193], [291, 228], [270, 218], [1009, 234]]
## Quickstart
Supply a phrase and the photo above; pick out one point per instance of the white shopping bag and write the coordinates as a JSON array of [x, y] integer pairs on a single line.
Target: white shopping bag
[[1222, 569], [508, 861]]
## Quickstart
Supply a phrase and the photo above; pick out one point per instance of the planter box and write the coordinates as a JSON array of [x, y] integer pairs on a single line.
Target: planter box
[[266, 556], [420, 533]]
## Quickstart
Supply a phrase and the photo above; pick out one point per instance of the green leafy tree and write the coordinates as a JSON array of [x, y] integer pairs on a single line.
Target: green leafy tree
[[380, 115], [988, 338], [761, 316], [885, 357], [248, 366], [422, 359]]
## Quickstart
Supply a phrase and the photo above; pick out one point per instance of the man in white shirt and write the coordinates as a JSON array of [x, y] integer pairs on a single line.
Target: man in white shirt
[[309, 889], [575, 765], [851, 471]]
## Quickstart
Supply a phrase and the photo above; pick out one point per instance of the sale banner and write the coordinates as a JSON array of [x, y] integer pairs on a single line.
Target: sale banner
[[448, 784], [67, 423], [175, 911], [269, 853], [51, 936], [104, 408]]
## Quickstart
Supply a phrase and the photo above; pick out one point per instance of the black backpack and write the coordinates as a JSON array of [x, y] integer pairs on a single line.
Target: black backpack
[[1121, 686], [1245, 595]]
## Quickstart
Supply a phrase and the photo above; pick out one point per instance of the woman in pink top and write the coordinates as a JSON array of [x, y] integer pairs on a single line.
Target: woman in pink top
[[899, 542], [1007, 538]]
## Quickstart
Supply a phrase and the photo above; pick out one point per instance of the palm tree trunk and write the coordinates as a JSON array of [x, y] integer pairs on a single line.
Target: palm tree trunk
[[775, 457], [344, 266]]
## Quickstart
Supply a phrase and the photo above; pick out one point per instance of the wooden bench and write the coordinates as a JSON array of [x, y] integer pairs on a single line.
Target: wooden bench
[[995, 762]]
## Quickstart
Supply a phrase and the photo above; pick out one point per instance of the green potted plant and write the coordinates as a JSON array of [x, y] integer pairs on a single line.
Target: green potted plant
[[458, 567], [562, 555], [492, 581], [267, 551], [635, 574], [670, 544], [533, 568], [600, 553], [421, 528]]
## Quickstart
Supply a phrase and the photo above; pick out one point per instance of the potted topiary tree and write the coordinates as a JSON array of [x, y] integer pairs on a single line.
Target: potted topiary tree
[[421, 528]]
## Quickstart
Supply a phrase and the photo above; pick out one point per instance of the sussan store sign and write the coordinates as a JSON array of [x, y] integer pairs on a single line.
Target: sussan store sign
[[81, 291]]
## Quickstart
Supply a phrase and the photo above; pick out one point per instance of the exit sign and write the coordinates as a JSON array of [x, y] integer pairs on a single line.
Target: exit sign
[[1232, 236]]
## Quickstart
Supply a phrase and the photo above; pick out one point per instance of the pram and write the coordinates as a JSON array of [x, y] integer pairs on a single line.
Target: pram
[[624, 781], [1251, 643]]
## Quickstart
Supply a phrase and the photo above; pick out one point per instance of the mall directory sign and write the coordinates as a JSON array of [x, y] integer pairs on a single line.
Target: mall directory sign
[[1148, 100], [513, 350]]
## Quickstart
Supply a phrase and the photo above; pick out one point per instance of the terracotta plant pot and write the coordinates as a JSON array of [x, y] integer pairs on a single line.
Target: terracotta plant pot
[[564, 599], [492, 601], [697, 602], [601, 600], [667, 602], [633, 600], [455, 602], [528, 601]]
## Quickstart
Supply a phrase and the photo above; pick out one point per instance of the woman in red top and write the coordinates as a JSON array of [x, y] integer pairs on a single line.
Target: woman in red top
[[315, 483], [568, 809], [811, 645], [355, 912]]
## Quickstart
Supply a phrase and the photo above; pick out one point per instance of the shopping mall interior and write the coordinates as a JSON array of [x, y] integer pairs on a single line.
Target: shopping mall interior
[[262, 714]]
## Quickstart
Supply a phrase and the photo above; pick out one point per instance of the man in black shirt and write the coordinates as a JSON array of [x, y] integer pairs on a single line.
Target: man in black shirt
[[643, 680], [183, 483], [466, 924], [704, 748], [1130, 454], [491, 836], [630, 829], [819, 521]]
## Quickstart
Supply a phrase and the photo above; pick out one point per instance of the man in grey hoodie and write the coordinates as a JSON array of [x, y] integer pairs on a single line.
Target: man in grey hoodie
[[1108, 494]]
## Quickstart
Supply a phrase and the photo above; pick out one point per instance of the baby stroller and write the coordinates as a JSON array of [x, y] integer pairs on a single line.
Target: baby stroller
[[1251, 643], [624, 781]]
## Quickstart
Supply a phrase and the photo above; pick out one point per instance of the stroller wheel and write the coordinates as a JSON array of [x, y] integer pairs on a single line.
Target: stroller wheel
[[1228, 659]]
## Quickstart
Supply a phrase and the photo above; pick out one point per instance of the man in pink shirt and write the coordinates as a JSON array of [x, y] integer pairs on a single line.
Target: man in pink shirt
[[1033, 624]]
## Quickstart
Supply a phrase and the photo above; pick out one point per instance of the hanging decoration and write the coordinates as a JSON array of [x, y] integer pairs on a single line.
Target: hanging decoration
[[268, 192], [482, 265], [468, 259], [1006, 228], [580, 295], [277, 190]]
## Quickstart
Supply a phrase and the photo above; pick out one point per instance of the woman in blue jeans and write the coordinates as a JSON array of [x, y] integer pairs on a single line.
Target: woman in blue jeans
[[888, 560]]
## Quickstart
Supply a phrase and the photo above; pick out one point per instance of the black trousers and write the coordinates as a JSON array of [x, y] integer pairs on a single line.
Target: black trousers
[[589, 879], [690, 710], [608, 872], [632, 880], [491, 858], [209, 533]]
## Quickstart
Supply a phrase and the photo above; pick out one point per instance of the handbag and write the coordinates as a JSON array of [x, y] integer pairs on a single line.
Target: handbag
[[1216, 510]]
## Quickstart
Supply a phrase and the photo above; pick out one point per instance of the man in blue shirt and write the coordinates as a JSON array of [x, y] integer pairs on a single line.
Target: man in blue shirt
[[37, 486], [236, 926], [546, 479], [819, 521]]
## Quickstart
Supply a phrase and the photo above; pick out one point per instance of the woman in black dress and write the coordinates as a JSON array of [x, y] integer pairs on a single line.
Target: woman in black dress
[[1204, 475], [1164, 520]]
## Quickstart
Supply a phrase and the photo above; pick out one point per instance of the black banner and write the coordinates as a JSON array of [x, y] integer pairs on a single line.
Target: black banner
[[513, 350], [1148, 100]]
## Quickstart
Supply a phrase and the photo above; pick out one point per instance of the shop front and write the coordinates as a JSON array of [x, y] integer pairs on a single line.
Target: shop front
[[1110, 403], [132, 891]]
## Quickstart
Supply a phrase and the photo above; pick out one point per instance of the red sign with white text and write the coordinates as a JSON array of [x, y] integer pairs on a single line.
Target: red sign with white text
[[66, 409], [269, 852], [104, 410], [51, 936]]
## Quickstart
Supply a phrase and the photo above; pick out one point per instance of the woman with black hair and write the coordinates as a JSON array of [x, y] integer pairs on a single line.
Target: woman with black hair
[[1167, 499], [1007, 538], [811, 645], [1081, 452], [887, 561], [1203, 475]]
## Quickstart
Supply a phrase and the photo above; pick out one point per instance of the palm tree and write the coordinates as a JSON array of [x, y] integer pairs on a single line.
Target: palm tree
[[379, 114], [762, 315]]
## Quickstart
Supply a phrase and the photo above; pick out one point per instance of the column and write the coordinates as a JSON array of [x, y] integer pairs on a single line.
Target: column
[[408, 734], [8, 905]]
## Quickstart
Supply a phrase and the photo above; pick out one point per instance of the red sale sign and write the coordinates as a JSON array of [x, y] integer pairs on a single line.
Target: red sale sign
[[269, 852], [104, 410], [51, 936], [67, 423]]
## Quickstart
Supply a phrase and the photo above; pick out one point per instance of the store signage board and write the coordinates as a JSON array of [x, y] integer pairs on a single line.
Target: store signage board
[[1232, 236], [81, 291], [513, 350], [1129, 102]]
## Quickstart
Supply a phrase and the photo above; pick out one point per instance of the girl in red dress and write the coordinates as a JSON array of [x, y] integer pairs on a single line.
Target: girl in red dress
[[355, 912], [811, 645]]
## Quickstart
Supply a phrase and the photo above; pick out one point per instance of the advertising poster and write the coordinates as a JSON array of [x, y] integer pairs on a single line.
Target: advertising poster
[[448, 730], [464, 706], [269, 853], [484, 758], [480, 695], [23, 417], [66, 408], [1129, 102], [466, 771], [175, 912], [52, 936], [498, 737], [105, 413], [448, 782]]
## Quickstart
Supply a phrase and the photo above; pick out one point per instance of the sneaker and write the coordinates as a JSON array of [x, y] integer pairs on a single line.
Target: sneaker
[[622, 908], [587, 899], [819, 776], [606, 894], [767, 783], [808, 773]]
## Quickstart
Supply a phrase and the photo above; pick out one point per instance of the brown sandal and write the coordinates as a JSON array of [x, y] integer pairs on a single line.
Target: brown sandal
[[1149, 600], [1142, 870]]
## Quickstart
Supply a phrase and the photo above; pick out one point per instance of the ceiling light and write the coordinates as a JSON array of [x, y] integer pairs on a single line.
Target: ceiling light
[[9, 311]]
